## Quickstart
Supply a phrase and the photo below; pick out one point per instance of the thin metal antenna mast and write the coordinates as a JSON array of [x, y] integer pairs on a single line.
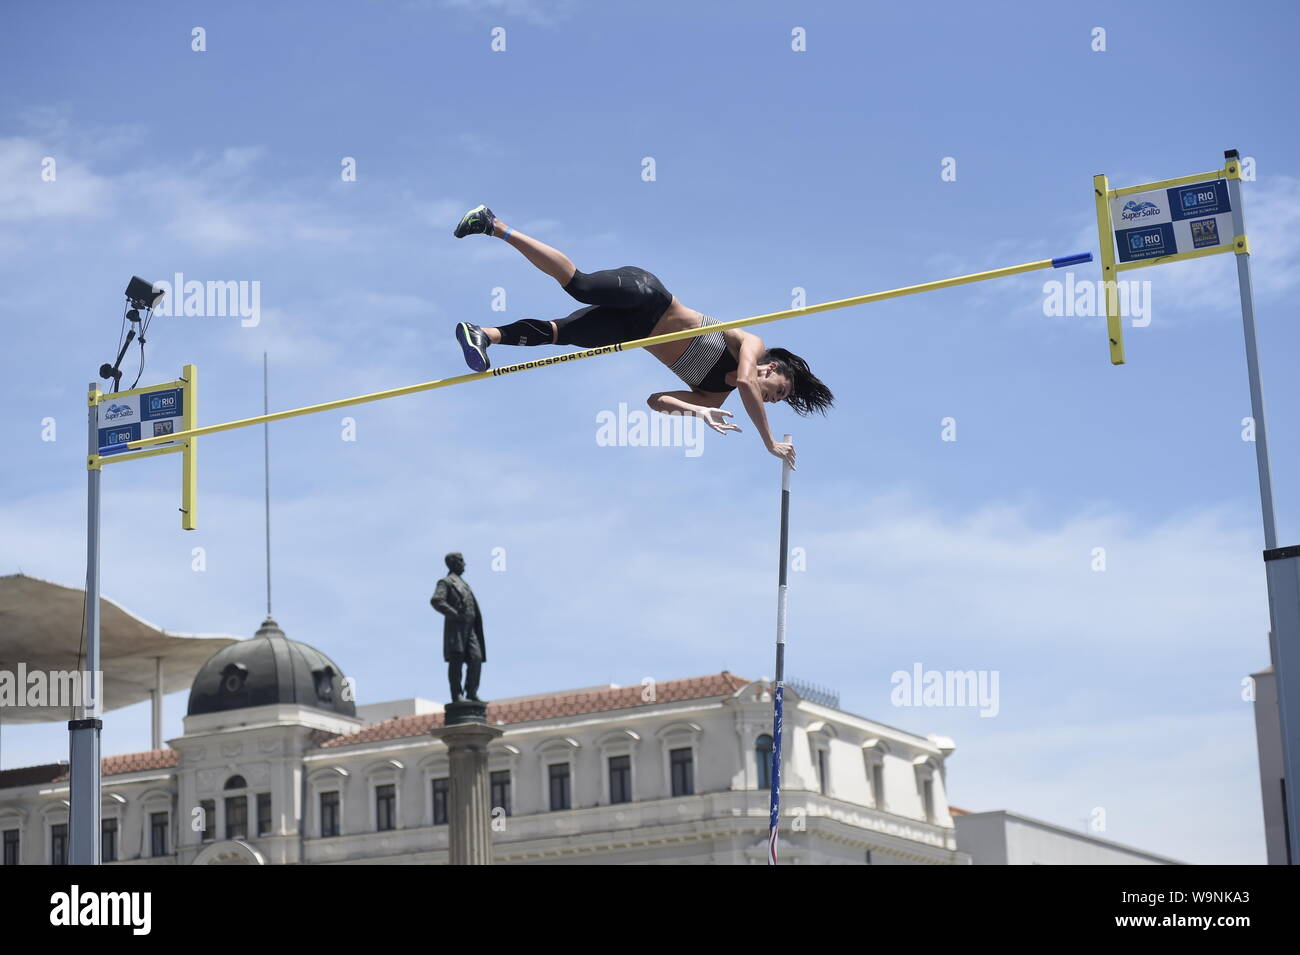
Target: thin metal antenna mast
[[266, 467]]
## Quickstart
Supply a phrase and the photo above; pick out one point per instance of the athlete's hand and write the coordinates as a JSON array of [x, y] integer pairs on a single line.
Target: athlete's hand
[[716, 419], [785, 451]]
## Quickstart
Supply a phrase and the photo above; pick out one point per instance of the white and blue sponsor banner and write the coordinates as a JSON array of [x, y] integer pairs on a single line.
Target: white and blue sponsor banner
[[1169, 221], [144, 415]]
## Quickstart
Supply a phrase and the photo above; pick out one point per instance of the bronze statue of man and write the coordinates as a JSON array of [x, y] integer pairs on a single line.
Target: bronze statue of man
[[462, 630]]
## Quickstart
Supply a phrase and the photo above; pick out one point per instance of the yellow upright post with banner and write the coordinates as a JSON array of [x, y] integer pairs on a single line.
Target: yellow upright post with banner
[[190, 455], [154, 411], [1188, 218], [1167, 221]]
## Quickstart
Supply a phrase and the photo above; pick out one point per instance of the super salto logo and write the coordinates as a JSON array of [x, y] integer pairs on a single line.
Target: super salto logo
[[1138, 210], [131, 909], [114, 411]]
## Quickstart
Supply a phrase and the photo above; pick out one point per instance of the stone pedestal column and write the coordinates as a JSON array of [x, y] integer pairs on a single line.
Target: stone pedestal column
[[469, 810]]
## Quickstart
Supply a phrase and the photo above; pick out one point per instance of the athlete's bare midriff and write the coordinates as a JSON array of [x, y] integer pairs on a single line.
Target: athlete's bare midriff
[[676, 318]]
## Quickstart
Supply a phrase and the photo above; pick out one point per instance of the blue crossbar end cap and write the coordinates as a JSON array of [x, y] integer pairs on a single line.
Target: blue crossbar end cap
[[1065, 260], [112, 448]]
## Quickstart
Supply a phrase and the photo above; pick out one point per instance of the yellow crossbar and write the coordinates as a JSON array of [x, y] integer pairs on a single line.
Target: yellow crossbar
[[609, 349]]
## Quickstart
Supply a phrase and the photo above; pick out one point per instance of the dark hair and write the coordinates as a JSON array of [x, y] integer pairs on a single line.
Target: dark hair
[[807, 393]]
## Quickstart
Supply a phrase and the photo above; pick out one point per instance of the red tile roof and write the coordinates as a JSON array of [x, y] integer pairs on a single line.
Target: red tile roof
[[520, 711], [555, 705], [138, 762], [109, 766]]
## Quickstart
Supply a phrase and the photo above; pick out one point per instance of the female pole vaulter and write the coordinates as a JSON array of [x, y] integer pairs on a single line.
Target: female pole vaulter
[[629, 303]]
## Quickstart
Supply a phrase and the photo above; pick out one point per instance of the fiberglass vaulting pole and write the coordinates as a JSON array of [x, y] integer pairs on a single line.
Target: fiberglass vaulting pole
[[778, 693]]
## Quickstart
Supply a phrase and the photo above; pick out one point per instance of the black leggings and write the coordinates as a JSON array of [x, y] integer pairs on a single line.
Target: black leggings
[[622, 306]]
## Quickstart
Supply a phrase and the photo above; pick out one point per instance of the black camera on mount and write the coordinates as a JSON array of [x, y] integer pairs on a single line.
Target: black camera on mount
[[142, 294]]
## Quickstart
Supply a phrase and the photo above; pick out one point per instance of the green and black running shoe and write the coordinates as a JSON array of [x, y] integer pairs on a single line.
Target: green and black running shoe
[[478, 221], [474, 343]]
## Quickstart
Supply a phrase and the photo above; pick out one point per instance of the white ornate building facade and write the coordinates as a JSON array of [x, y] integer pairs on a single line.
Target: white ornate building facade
[[275, 767]]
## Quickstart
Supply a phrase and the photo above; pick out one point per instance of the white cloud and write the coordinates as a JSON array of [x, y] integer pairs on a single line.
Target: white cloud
[[999, 580], [241, 158], [1180, 786], [381, 304], [478, 145], [541, 12], [289, 337], [75, 192], [437, 213], [1273, 224], [220, 207], [212, 204]]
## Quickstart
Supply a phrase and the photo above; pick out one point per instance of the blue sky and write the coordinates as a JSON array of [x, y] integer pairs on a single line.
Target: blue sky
[[774, 170]]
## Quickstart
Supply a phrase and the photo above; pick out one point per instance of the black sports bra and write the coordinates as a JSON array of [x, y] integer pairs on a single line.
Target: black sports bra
[[705, 363], [716, 379]]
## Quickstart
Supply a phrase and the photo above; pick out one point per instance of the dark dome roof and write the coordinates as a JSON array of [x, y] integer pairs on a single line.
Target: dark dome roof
[[270, 668]]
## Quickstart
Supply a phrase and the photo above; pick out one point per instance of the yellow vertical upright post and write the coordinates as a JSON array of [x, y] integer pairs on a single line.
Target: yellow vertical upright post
[[189, 457], [1106, 243]]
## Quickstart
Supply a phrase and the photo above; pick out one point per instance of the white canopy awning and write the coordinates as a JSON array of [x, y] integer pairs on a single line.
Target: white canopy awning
[[41, 629]]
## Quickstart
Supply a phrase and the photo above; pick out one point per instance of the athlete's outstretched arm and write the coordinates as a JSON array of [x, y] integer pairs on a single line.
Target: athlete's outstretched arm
[[696, 403], [751, 350]]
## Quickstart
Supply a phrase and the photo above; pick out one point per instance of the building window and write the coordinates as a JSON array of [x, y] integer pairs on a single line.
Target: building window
[[108, 840], [878, 784], [440, 801], [158, 844], [235, 782], [59, 844], [501, 790], [329, 813], [236, 817], [11, 847], [763, 756], [927, 798], [386, 807], [683, 771], [263, 814], [324, 682], [559, 777], [620, 779], [209, 807], [823, 771]]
